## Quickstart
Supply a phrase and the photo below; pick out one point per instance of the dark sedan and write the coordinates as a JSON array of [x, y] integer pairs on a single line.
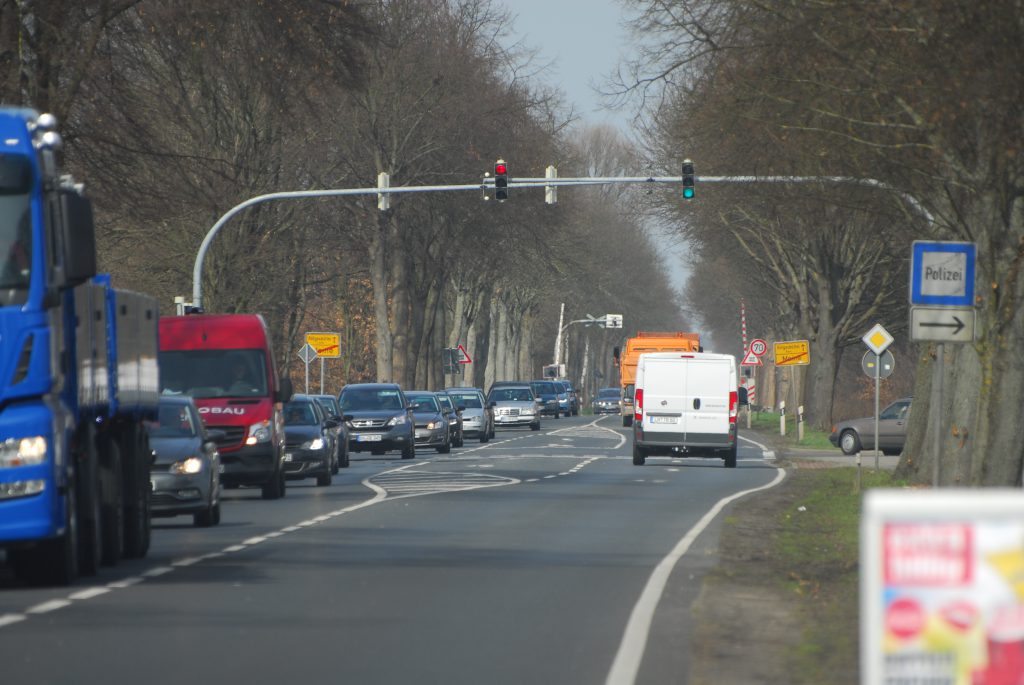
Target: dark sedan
[[329, 403], [185, 475], [607, 401], [308, 443], [378, 418], [454, 416], [856, 434], [431, 423]]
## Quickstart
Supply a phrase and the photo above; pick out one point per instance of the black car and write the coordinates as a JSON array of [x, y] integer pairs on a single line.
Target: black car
[[431, 424], [185, 474], [378, 418], [308, 441], [607, 401], [454, 416], [547, 394], [329, 403]]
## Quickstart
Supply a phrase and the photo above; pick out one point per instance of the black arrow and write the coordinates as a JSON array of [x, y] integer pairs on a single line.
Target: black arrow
[[959, 325]]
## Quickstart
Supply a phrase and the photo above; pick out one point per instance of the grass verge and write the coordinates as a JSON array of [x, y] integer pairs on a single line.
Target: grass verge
[[769, 421]]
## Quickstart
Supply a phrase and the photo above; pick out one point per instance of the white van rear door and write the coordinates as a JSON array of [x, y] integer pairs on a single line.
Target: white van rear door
[[664, 385], [705, 406]]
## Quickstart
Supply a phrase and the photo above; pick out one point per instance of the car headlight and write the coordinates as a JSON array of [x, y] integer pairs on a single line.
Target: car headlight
[[258, 432], [398, 420], [22, 451], [433, 425], [187, 466], [527, 412], [314, 444]]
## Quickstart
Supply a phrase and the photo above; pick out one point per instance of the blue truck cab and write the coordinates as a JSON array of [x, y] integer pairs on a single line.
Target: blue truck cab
[[78, 374]]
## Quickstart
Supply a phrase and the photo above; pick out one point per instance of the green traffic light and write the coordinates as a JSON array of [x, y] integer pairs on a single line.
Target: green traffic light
[[688, 193]]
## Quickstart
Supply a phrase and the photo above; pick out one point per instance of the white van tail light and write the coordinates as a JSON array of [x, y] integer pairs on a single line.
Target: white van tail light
[[638, 402], [734, 401]]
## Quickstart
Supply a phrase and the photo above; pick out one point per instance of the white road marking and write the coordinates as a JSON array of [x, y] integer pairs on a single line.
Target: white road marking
[[634, 640], [766, 453], [124, 582], [46, 607], [11, 619], [254, 541], [157, 572], [89, 593], [187, 561]]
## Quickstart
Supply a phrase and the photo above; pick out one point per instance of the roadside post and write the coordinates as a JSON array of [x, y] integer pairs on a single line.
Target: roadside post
[[941, 310], [307, 354], [326, 346], [782, 418], [800, 423], [878, 340]]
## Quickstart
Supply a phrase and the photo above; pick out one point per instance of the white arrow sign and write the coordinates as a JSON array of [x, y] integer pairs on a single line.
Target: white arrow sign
[[942, 324]]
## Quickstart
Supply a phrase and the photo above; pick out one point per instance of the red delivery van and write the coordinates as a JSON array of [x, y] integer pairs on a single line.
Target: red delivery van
[[225, 362]]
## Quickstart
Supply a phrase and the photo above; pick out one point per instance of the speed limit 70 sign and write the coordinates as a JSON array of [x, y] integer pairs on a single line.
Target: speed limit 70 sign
[[758, 347]]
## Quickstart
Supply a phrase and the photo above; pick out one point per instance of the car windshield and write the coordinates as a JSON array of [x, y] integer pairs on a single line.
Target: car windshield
[[446, 402], [511, 395], [370, 399], [15, 222], [469, 400], [173, 421], [424, 403], [543, 388], [299, 414], [328, 405], [213, 373], [608, 393]]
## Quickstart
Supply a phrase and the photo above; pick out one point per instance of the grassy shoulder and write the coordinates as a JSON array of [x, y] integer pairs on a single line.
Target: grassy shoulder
[[769, 421], [792, 554]]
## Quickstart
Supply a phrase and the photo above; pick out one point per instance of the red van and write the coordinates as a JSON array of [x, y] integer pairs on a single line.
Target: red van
[[225, 362]]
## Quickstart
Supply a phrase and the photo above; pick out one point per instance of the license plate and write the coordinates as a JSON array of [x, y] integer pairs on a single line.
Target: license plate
[[286, 457], [663, 419], [369, 437]]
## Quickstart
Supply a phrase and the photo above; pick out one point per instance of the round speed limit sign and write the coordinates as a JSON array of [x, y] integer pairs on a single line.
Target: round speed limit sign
[[758, 347]]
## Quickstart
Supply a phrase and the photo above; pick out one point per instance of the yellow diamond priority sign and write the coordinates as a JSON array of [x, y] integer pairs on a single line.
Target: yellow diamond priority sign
[[327, 345], [878, 339]]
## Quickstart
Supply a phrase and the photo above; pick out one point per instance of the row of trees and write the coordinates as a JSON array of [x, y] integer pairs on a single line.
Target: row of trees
[[175, 112], [926, 97]]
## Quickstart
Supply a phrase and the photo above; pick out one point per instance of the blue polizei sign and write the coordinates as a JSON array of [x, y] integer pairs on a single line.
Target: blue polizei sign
[[942, 273]]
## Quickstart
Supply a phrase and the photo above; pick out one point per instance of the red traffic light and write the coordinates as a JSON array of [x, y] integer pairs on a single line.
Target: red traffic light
[[500, 169]]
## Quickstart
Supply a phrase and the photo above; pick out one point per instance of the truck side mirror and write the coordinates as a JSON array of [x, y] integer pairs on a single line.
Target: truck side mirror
[[742, 392], [79, 237], [616, 352]]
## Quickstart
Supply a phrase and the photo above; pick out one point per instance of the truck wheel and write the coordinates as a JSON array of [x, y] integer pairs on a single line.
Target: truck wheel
[[88, 507], [275, 487], [627, 421], [639, 455], [730, 456], [135, 465], [111, 504]]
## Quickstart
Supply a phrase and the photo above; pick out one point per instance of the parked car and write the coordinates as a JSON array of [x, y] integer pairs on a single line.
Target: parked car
[[431, 424], [478, 415], [454, 416], [606, 401], [379, 419], [856, 434], [546, 393], [514, 405], [329, 403], [185, 475], [564, 398], [308, 441]]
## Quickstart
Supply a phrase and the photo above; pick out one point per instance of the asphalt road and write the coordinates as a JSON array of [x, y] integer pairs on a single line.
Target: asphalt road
[[542, 557]]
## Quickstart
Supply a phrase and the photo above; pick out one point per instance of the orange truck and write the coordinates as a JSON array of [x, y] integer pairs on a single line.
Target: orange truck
[[646, 341]]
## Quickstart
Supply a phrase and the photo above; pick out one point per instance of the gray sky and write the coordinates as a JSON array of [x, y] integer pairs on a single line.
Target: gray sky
[[584, 41]]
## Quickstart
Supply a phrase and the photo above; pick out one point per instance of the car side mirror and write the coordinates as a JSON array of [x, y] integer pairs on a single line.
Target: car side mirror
[[347, 417], [215, 435], [284, 390], [332, 423]]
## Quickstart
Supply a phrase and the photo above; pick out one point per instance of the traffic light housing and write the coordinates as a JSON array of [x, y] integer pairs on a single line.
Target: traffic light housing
[[500, 181], [688, 190]]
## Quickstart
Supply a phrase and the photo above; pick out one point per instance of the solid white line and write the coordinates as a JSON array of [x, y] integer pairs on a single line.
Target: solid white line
[[10, 619], [89, 593], [51, 605], [766, 451], [634, 639]]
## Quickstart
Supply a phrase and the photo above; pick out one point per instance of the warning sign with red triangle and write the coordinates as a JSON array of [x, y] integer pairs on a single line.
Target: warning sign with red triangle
[[464, 356], [751, 359]]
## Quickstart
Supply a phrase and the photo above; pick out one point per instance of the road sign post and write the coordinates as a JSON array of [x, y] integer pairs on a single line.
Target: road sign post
[[307, 354], [878, 340]]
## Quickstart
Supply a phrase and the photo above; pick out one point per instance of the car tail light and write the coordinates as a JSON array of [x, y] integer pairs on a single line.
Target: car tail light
[[734, 400], [638, 402]]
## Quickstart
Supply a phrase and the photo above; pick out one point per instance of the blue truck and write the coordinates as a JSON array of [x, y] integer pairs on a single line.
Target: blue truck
[[78, 374]]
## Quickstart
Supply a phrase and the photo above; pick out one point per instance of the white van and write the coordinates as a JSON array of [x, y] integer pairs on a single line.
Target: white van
[[685, 404]]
